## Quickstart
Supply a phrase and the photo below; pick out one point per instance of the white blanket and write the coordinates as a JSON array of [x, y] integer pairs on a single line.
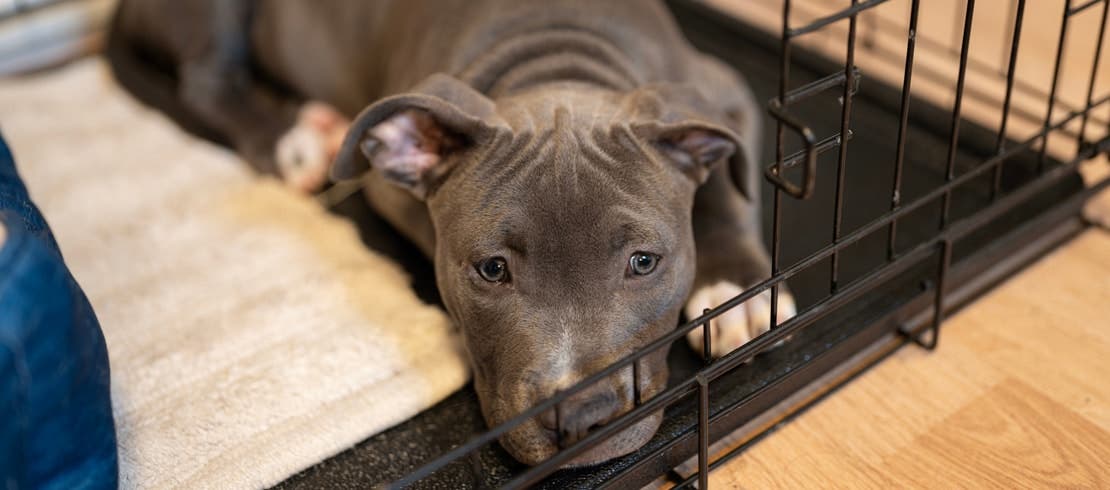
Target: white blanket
[[250, 334]]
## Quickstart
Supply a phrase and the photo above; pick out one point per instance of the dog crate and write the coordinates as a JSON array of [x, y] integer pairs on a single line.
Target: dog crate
[[886, 208]]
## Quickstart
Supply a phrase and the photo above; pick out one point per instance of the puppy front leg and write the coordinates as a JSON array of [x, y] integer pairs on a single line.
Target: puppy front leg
[[730, 259], [275, 133]]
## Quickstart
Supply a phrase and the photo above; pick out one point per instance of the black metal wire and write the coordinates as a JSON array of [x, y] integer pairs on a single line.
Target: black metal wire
[[813, 88], [842, 158], [986, 96], [903, 125], [707, 339], [954, 136], [841, 15], [1011, 72], [821, 147], [703, 432], [637, 397], [1008, 49], [1084, 6], [780, 152], [974, 65], [557, 412], [776, 173], [1064, 23], [941, 287], [955, 33], [1081, 139], [983, 68], [776, 226]]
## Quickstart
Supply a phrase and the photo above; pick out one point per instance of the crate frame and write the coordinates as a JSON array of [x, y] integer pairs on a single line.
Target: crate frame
[[918, 321]]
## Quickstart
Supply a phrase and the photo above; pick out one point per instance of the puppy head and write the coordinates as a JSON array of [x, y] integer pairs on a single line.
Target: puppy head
[[563, 237]]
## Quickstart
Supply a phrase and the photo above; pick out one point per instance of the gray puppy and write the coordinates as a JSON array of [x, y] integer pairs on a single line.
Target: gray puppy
[[576, 170]]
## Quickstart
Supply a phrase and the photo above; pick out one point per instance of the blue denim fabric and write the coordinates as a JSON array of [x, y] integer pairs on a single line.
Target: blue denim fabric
[[56, 428]]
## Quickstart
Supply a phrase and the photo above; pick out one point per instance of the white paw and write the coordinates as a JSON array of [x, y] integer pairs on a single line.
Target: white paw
[[304, 153], [739, 325]]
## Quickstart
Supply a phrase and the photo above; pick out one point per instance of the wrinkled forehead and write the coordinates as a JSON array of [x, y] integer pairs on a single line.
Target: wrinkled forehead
[[567, 165], [566, 162], [535, 229], [568, 180]]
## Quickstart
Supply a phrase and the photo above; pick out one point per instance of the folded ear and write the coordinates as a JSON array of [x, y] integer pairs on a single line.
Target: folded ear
[[696, 148], [414, 139], [682, 126]]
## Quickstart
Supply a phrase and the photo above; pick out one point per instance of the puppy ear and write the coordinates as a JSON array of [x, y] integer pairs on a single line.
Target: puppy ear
[[682, 125], [414, 139], [696, 148]]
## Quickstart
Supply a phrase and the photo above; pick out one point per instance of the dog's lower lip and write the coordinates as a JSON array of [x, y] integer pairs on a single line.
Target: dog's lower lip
[[552, 435]]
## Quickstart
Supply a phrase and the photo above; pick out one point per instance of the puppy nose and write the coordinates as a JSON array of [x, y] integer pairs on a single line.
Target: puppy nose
[[580, 414]]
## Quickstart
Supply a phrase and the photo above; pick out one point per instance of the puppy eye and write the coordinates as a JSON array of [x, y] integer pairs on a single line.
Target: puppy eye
[[493, 269], [642, 263]]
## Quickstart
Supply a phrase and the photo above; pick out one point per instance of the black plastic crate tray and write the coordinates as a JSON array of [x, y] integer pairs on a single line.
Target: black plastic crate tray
[[806, 228]]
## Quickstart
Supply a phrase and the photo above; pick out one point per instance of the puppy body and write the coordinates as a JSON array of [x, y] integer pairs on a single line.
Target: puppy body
[[559, 160]]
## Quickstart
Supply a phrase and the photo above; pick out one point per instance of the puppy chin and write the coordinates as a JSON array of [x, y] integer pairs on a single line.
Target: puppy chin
[[531, 444], [621, 443]]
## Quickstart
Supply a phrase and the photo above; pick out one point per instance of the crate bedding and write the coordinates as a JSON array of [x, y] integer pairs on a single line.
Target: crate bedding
[[250, 333]]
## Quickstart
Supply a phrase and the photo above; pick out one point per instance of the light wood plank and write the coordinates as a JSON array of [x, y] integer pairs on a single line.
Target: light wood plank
[[1011, 437], [1027, 365]]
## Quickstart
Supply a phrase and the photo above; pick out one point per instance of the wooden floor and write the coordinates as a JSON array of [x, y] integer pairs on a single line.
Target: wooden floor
[[1017, 396]]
